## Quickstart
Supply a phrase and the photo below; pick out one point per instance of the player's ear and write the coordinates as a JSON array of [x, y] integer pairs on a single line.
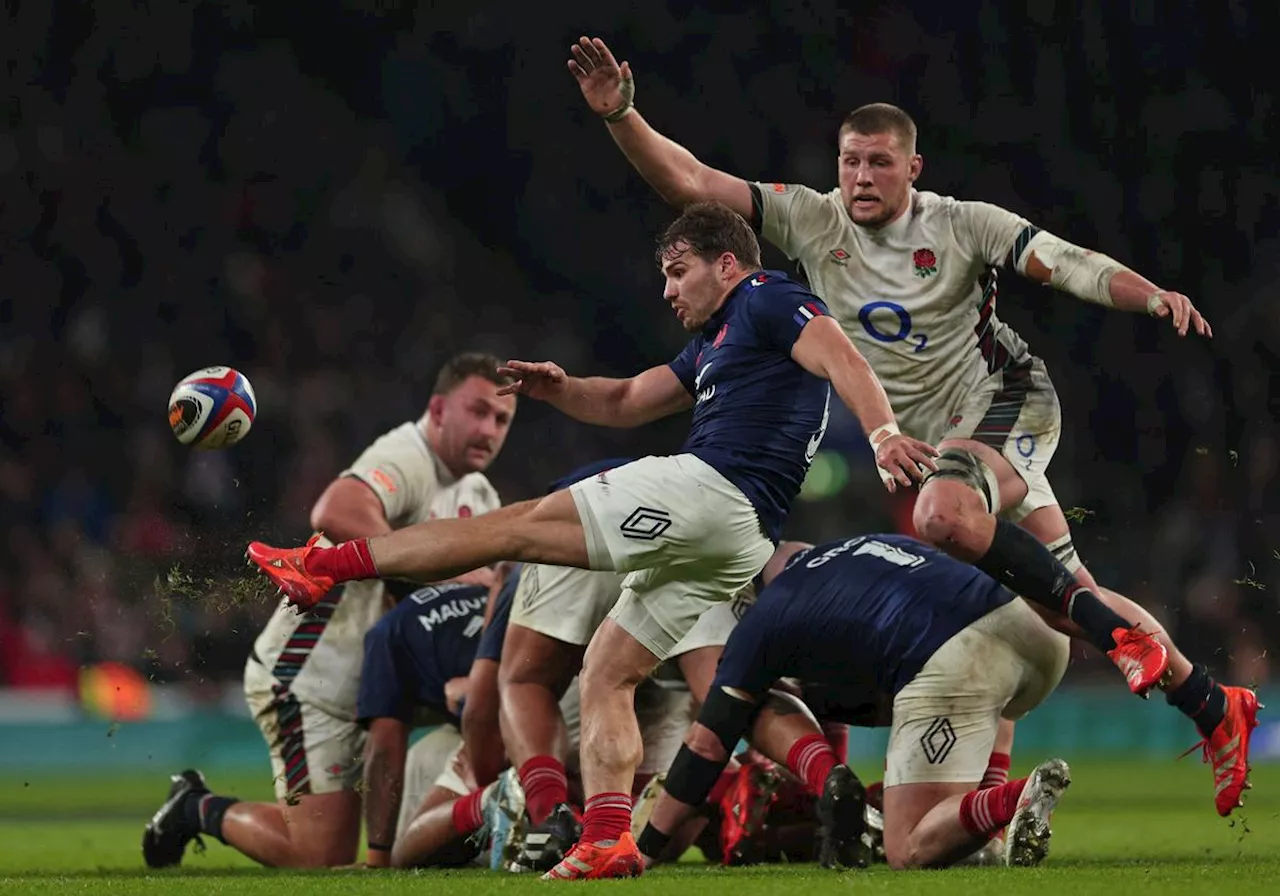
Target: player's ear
[[914, 167], [435, 407], [728, 264]]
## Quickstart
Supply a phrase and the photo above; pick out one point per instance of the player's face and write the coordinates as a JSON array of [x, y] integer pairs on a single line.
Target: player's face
[[696, 288], [471, 423], [876, 173]]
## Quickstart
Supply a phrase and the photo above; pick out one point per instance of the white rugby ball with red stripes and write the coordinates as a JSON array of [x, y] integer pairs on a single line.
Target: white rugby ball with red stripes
[[212, 408]]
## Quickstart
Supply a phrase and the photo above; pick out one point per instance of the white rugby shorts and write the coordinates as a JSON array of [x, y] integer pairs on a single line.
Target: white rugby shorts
[[945, 720], [687, 536]]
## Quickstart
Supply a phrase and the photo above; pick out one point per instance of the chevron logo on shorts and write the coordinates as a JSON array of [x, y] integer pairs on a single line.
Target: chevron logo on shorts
[[938, 740], [645, 524]]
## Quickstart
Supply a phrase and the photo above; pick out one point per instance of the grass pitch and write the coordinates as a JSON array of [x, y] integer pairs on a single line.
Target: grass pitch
[[1122, 828]]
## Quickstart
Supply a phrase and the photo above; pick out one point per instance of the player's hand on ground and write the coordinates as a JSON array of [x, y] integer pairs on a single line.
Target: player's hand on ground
[[537, 379], [903, 461], [1175, 305], [605, 85]]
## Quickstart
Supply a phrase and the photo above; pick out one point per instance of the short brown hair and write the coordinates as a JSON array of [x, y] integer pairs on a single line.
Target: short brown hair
[[882, 118], [709, 229], [468, 364]]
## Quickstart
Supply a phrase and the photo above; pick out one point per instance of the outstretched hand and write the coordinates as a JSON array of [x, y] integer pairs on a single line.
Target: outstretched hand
[[903, 461], [1175, 305], [605, 85], [537, 379]]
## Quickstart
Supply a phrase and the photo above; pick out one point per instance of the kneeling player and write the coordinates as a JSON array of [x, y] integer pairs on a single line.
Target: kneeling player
[[417, 660], [880, 615]]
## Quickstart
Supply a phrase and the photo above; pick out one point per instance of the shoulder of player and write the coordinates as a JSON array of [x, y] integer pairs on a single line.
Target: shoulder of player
[[785, 189], [927, 205], [478, 486], [773, 292], [769, 285], [389, 626], [399, 443], [933, 205]]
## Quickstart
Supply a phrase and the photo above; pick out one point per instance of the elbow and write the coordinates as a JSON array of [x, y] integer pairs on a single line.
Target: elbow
[[340, 525], [682, 188], [685, 191]]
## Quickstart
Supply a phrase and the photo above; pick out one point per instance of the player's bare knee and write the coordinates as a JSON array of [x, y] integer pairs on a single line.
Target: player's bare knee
[[704, 742], [946, 513], [322, 856], [603, 672], [953, 498], [898, 855], [520, 671], [907, 853]]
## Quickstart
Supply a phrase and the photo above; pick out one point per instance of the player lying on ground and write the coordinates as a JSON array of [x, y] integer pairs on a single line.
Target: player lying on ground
[[885, 614], [912, 278], [692, 529]]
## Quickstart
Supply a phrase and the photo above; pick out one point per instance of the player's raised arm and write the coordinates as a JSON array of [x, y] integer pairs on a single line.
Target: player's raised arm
[[603, 401], [668, 167], [824, 350], [1003, 237]]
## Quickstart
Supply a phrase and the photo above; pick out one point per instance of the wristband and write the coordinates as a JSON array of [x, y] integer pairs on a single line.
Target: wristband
[[880, 433], [626, 87]]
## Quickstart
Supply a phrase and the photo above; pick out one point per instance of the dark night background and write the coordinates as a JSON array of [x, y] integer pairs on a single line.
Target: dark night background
[[334, 198]]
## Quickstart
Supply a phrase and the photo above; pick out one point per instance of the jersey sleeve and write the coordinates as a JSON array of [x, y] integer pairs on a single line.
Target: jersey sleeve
[[490, 647], [790, 215], [385, 468], [990, 232], [684, 365], [384, 692], [780, 313]]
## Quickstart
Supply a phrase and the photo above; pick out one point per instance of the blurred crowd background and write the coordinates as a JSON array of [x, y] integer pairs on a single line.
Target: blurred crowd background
[[334, 200]]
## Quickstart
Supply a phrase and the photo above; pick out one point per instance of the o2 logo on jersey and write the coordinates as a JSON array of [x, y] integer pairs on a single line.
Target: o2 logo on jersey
[[882, 330]]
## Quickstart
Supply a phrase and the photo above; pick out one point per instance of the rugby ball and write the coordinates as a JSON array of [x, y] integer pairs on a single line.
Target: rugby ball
[[212, 408]]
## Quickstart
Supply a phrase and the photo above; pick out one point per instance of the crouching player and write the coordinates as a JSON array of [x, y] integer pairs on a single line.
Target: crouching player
[[877, 615], [417, 662]]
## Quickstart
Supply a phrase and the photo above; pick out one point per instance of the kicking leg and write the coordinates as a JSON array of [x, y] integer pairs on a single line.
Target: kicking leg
[[547, 530]]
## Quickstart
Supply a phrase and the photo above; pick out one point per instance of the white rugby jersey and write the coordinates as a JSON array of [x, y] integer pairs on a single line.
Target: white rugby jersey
[[917, 297], [318, 655]]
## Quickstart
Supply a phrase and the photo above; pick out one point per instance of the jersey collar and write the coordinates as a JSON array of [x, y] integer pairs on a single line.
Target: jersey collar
[[715, 321]]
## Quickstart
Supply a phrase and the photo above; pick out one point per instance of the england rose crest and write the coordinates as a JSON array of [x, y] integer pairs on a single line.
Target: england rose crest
[[926, 262]]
